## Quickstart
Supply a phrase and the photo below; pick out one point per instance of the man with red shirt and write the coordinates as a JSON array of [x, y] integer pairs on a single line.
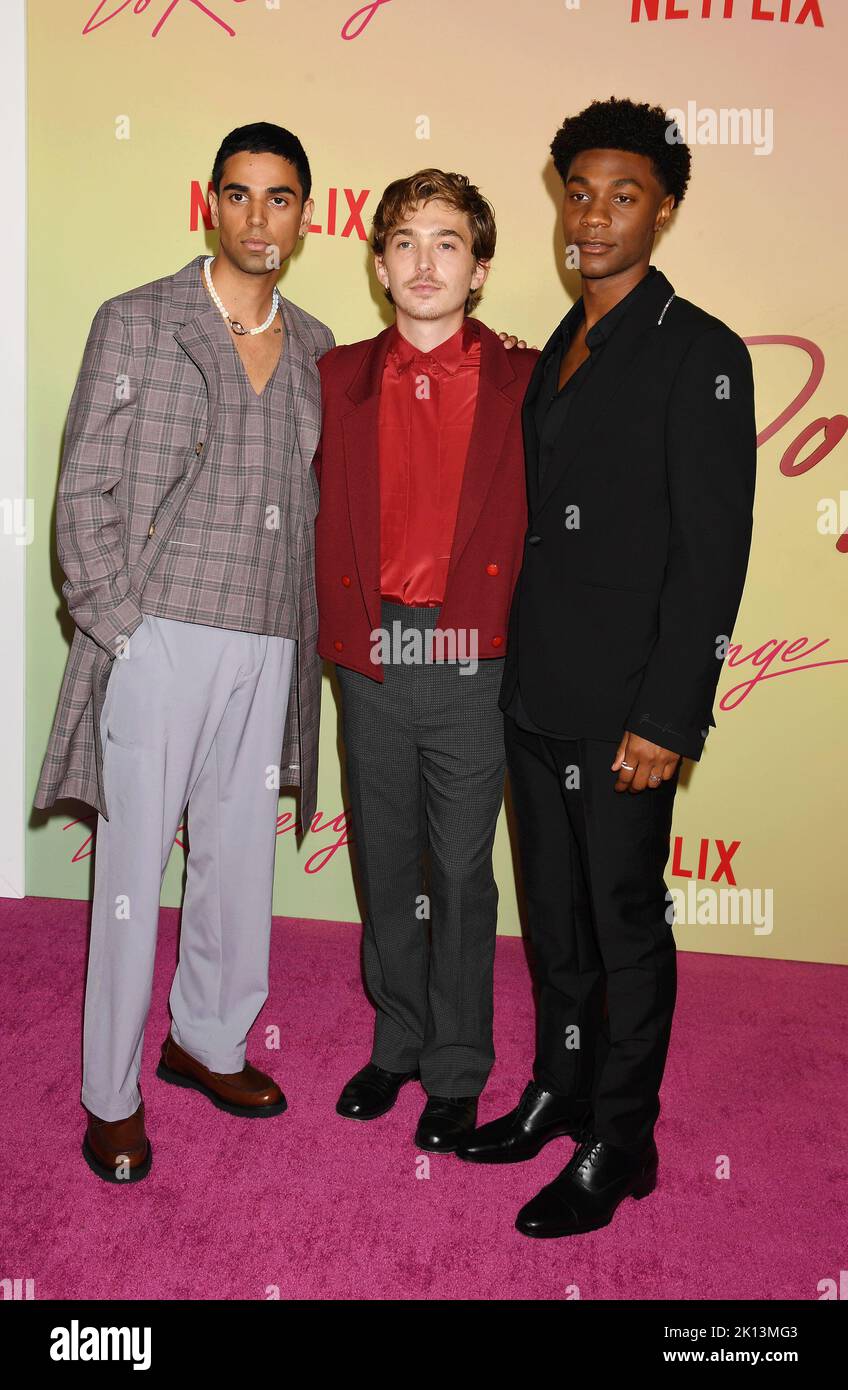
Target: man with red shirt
[[419, 540]]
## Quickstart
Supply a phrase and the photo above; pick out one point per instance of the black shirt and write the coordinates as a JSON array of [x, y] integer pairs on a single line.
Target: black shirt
[[551, 411]]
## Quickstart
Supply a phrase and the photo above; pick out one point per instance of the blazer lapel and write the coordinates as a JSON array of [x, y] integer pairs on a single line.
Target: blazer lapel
[[194, 338], [306, 389], [488, 434], [630, 338], [193, 318], [360, 430], [528, 416]]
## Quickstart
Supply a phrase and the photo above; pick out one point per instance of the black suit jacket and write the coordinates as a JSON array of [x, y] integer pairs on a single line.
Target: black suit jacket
[[622, 620]]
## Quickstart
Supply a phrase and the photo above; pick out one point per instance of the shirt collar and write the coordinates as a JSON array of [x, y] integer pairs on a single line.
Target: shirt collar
[[450, 355], [600, 331]]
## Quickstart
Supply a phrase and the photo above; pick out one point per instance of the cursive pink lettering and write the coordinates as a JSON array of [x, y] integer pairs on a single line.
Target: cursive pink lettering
[[365, 16], [761, 658], [141, 5], [834, 427]]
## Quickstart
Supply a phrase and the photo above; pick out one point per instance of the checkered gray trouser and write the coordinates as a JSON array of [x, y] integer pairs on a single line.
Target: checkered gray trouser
[[425, 766]]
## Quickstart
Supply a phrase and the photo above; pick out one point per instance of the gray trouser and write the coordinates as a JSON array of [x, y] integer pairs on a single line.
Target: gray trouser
[[425, 762], [194, 714]]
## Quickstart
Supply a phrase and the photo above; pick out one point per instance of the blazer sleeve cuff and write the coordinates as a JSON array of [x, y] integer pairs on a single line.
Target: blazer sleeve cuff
[[113, 629], [689, 743]]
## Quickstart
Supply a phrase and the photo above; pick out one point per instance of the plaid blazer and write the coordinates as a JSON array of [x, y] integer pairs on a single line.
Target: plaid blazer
[[146, 402]]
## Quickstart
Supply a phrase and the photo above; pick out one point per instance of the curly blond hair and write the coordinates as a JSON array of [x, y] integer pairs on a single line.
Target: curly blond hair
[[404, 195]]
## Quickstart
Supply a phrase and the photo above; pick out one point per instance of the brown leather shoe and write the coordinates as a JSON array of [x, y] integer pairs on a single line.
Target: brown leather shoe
[[247, 1092], [118, 1150]]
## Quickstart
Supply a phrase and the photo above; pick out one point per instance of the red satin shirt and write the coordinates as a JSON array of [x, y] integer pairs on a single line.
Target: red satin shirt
[[427, 405]]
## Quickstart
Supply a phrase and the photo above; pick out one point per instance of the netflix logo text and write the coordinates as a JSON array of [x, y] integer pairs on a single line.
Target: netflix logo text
[[713, 860], [728, 905], [341, 211], [768, 11]]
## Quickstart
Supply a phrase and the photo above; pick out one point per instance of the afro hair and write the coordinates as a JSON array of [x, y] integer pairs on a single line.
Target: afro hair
[[626, 125]]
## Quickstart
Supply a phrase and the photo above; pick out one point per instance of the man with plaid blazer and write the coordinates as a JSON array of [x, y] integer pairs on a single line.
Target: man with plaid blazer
[[185, 527]]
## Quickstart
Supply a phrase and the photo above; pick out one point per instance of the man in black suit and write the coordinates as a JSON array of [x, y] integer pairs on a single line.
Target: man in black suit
[[640, 448]]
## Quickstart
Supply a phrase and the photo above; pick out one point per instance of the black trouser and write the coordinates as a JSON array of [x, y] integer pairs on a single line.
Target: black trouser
[[592, 861]]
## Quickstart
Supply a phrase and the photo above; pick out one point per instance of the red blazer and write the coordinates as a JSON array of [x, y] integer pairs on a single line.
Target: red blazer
[[491, 519]]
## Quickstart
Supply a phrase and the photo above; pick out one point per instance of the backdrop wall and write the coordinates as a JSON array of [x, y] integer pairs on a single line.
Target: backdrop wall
[[127, 105]]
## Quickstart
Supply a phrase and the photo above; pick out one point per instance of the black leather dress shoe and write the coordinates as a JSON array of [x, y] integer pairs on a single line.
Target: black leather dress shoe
[[539, 1116], [445, 1122], [371, 1092], [587, 1192]]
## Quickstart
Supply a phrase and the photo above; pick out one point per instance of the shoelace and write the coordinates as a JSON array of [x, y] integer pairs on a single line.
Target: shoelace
[[529, 1099], [590, 1158]]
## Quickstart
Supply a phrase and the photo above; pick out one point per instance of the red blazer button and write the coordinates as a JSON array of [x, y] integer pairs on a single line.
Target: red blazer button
[[346, 580], [497, 641], [338, 645], [492, 569]]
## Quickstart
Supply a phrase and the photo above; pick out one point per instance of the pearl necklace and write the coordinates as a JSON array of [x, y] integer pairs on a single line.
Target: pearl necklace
[[234, 323]]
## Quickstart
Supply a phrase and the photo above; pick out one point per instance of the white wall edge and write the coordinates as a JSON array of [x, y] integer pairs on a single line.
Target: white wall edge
[[13, 469]]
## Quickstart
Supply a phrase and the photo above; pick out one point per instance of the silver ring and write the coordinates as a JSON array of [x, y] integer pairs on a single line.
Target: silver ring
[[629, 768], [654, 777]]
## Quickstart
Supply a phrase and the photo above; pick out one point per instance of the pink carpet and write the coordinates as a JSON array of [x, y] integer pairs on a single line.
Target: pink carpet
[[320, 1207]]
